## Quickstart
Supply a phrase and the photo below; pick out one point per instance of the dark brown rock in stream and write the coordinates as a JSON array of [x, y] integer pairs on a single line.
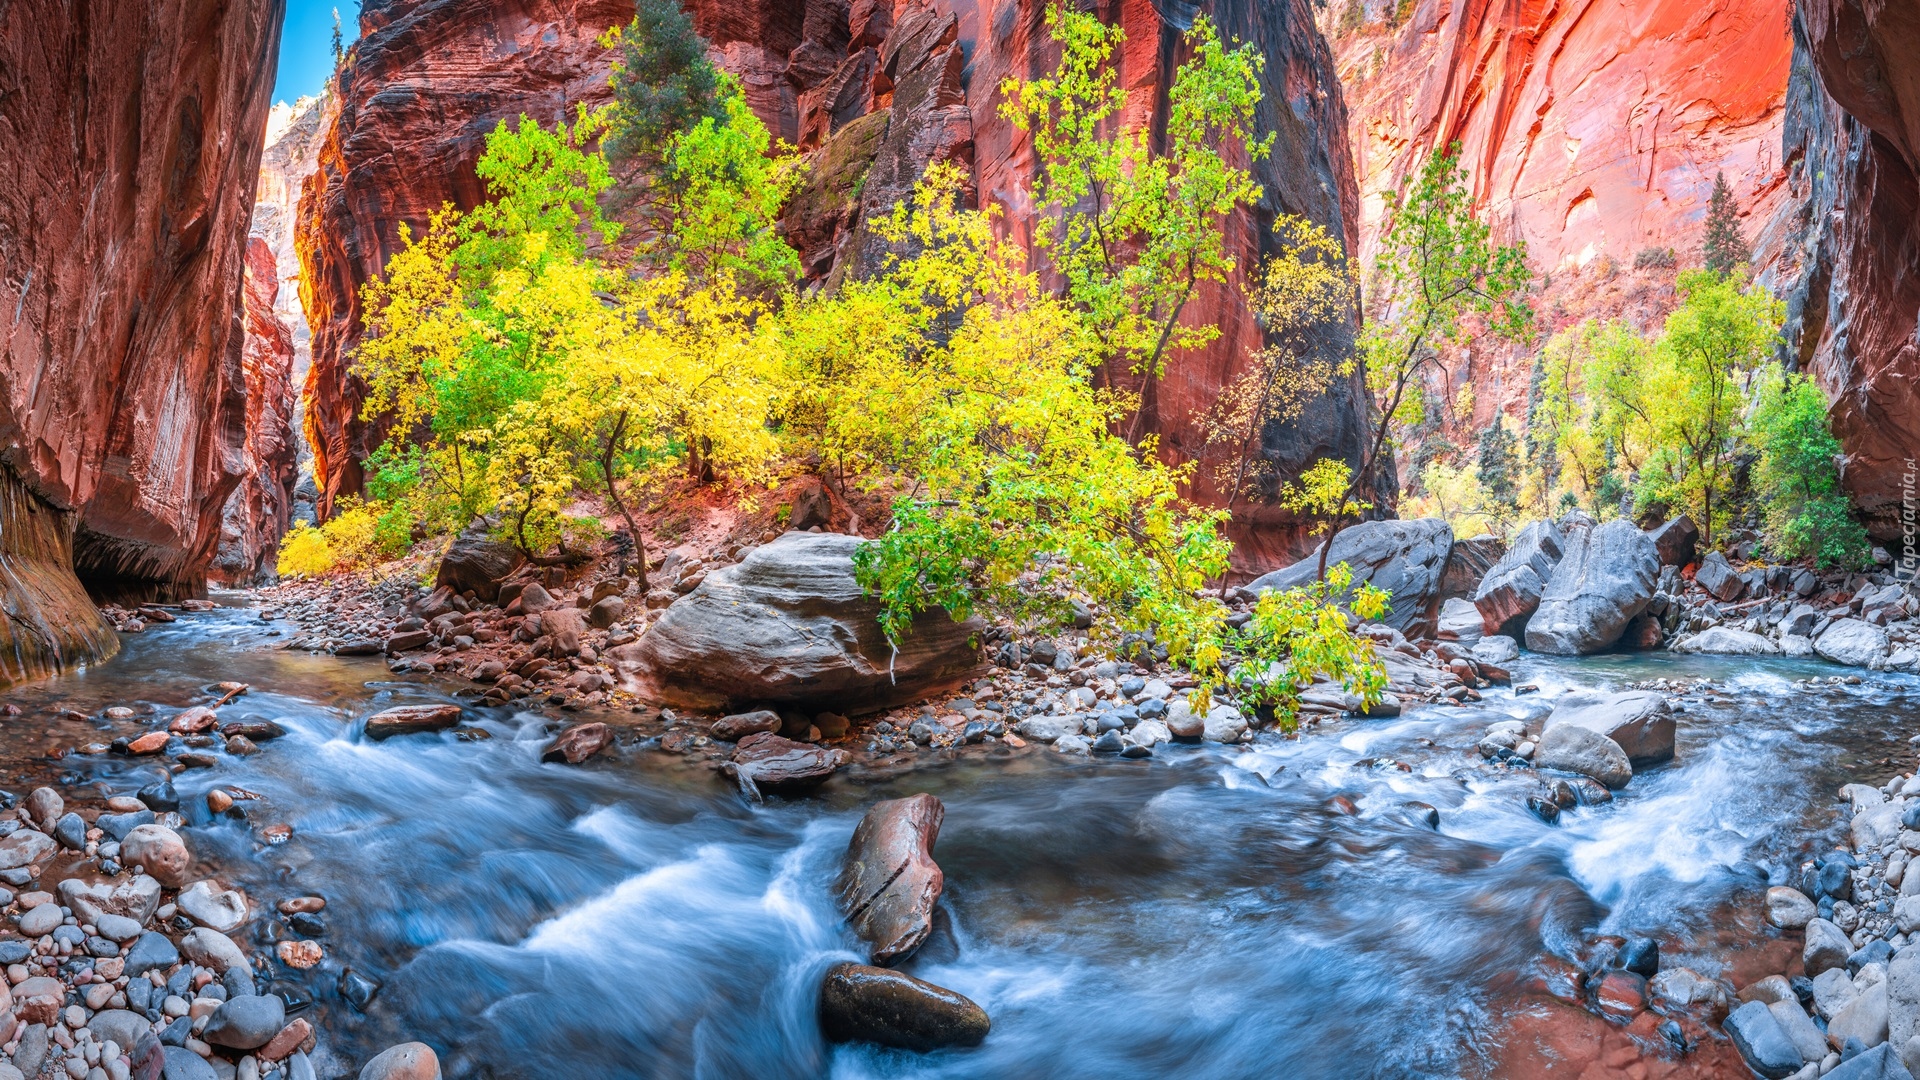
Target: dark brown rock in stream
[[766, 762], [889, 882], [407, 719], [578, 743], [871, 1004]]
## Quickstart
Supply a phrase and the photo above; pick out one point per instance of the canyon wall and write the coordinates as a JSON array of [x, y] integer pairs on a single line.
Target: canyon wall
[[1592, 130], [874, 91], [132, 134], [1853, 241], [261, 507], [402, 127]]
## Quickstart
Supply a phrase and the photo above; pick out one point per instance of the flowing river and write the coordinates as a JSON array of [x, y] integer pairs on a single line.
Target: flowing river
[[1207, 913]]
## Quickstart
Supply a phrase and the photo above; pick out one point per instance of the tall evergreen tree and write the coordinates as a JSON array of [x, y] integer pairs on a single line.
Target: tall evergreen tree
[[1500, 468], [339, 51], [664, 85], [1724, 248]]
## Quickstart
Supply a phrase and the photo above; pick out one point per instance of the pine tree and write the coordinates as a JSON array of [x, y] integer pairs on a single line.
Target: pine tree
[[338, 51], [1499, 468], [1724, 248], [664, 85]]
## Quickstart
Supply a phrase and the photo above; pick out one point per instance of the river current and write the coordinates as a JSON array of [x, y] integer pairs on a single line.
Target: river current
[[1206, 913]]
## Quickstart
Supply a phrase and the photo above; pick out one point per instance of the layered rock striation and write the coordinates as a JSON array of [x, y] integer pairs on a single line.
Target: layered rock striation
[[260, 509], [134, 136]]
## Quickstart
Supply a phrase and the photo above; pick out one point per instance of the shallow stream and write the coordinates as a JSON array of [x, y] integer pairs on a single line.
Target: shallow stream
[[1180, 917]]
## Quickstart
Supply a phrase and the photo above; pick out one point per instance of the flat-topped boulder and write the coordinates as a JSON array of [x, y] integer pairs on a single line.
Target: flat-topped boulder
[[408, 719], [789, 626], [765, 762]]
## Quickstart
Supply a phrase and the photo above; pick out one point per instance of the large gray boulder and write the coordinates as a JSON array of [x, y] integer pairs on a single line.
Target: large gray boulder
[[1727, 641], [1460, 621], [1757, 1035], [1406, 558], [1605, 579], [1577, 749], [1716, 575], [1510, 591], [788, 626], [1639, 722], [1854, 642]]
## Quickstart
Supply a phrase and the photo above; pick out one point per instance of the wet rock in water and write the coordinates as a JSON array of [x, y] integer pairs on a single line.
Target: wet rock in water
[[578, 743], [1577, 749], [117, 826], [1766, 1048], [1640, 723], [137, 898], [408, 1061], [193, 721], [358, 990], [257, 730], [1545, 809], [1726, 641], [889, 883], [245, 1023], [790, 626], [1676, 541], [1684, 988], [214, 907], [1621, 993], [408, 719], [160, 851], [1789, 908], [1605, 579], [1224, 724], [766, 762], [1409, 558], [1510, 592], [859, 1003], [740, 725], [300, 955], [1853, 642], [1826, 947], [160, 797], [1422, 814], [1109, 742], [1047, 728], [1641, 956]]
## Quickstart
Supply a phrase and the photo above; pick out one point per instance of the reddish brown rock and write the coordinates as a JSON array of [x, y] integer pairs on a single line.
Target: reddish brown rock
[[578, 743], [135, 135], [765, 762], [889, 882], [261, 507], [192, 721], [1853, 275], [1621, 994], [407, 719]]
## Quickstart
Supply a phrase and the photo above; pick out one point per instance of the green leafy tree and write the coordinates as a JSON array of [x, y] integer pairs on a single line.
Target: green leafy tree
[[1724, 250], [1796, 479], [1440, 280], [1132, 229]]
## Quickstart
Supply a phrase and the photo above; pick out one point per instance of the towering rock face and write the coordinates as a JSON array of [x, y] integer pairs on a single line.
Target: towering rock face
[[261, 506], [294, 139], [1853, 139], [1591, 129], [133, 135], [875, 91], [404, 124]]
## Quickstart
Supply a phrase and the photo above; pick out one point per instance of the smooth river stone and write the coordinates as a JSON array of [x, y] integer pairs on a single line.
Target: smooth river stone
[[889, 882]]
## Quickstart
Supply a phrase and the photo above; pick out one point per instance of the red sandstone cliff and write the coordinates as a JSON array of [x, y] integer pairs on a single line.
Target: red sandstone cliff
[[404, 125], [1591, 129], [133, 135], [261, 507], [1853, 142], [876, 90]]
